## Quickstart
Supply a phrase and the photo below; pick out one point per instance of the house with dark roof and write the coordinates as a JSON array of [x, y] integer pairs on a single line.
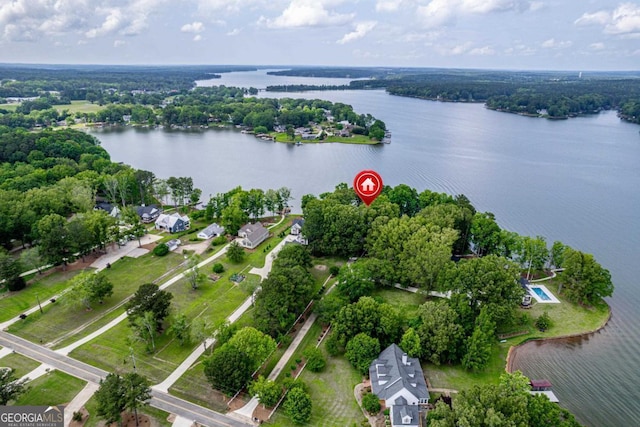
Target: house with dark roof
[[112, 210], [213, 230], [397, 379], [173, 223], [149, 213], [296, 226], [251, 235]]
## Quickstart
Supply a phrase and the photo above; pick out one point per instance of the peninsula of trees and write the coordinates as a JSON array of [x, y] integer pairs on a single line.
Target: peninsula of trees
[[551, 94]]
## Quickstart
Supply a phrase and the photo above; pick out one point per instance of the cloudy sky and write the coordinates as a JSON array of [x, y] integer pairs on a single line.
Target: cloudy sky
[[512, 34]]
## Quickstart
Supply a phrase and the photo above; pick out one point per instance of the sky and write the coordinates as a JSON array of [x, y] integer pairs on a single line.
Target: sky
[[496, 34]]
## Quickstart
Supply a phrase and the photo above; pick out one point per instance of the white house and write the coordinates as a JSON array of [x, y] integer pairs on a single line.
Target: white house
[[214, 230], [296, 226], [398, 380], [251, 235]]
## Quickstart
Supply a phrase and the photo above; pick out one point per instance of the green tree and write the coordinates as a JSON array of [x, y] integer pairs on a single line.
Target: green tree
[[10, 386], [297, 405], [371, 403], [267, 391], [255, 345], [228, 369], [543, 322], [485, 233], [144, 328], [10, 270], [137, 392], [355, 281], [53, 239], [557, 254], [192, 274], [31, 259], [137, 228], [411, 344], [149, 297], [91, 288], [361, 350], [201, 329], [440, 332], [180, 329], [110, 398], [315, 359], [235, 253], [233, 217], [293, 255], [584, 280]]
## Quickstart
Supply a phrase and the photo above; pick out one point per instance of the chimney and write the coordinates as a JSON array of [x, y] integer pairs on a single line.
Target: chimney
[[404, 359]]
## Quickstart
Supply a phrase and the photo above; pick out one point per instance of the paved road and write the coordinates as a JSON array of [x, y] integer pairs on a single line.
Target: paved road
[[92, 374]]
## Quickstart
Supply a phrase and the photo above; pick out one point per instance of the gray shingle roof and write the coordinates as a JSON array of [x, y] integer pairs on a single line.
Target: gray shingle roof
[[400, 411], [397, 375]]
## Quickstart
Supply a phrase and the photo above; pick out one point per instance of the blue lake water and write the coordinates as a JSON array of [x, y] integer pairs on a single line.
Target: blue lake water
[[574, 180]]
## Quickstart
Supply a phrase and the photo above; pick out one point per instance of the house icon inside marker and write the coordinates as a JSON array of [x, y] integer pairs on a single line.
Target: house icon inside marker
[[368, 186]]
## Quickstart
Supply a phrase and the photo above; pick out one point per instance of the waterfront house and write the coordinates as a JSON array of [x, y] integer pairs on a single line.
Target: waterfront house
[[213, 230], [149, 213], [251, 235], [296, 226], [399, 383], [173, 223]]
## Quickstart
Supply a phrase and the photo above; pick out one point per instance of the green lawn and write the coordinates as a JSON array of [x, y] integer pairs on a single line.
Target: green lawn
[[355, 139], [54, 388], [9, 107], [93, 421], [80, 107], [406, 302], [20, 364], [193, 387], [332, 395], [68, 316], [42, 286], [111, 350]]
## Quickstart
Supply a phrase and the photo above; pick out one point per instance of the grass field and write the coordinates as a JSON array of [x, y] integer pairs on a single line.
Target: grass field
[[79, 107], [20, 364], [43, 287], [54, 388], [68, 315]]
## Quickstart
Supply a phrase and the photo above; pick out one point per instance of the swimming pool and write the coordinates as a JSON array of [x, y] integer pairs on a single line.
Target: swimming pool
[[542, 294]]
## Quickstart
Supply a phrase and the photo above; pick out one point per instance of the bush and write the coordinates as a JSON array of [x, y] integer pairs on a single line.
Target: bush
[[315, 359], [371, 403], [220, 240], [161, 250], [543, 322], [16, 284], [218, 268], [334, 270], [77, 416]]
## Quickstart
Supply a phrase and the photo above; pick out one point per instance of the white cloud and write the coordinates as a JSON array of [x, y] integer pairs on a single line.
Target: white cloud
[[597, 46], [197, 38], [388, 5], [194, 27], [30, 20], [215, 7], [118, 43], [623, 20], [536, 5], [306, 13], [234, 32], [362, 28], [482, 51], [553, 44], [444, 12]]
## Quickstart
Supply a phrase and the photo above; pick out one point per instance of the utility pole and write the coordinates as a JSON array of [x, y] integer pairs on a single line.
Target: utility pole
[[39, 305]]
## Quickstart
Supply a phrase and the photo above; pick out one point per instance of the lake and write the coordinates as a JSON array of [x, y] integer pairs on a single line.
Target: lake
[[571, 180]]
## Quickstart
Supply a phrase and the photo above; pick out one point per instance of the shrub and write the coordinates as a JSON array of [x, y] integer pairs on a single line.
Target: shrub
[[77, 416], [218, 268], [161, 250], [16, 284], [220, 240], [334, 270], [315, 359], [371, 403], [543, 322]]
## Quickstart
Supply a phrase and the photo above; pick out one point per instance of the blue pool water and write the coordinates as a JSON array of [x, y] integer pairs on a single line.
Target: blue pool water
[[543, 296]]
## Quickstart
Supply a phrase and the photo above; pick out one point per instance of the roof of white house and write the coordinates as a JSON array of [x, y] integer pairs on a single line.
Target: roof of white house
[[212, 229], [389, 374]]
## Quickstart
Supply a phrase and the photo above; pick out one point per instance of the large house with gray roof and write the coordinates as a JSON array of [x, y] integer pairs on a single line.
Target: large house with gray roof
[[251, 235], [398, 381]]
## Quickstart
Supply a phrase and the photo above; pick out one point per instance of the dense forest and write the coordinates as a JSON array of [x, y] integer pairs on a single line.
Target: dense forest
[[545, 94]]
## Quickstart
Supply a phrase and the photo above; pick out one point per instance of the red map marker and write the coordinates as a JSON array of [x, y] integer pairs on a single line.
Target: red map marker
[[368, 185]]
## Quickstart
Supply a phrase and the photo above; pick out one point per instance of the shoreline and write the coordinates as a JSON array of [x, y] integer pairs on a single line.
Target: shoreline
[[511, 354]]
